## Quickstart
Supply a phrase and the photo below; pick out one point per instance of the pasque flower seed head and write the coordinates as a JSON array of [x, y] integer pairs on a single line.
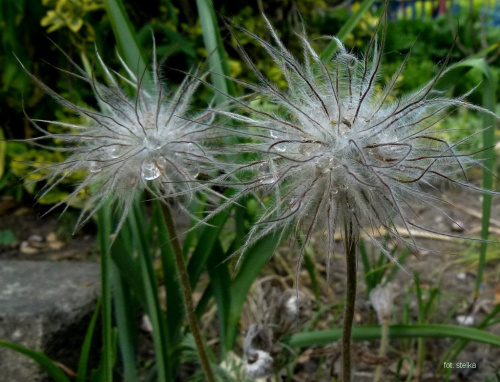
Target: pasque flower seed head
[[337, 152], [148, 141]]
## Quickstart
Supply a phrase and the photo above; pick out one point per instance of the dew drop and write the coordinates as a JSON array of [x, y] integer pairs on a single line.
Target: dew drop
[[152, 170], [335, 191], [267, 179], [264, 168], [94, 167], [402, 167], [273, 134], [280, 148], [266, 174], [113, 152], [194, 172], [152, 143]]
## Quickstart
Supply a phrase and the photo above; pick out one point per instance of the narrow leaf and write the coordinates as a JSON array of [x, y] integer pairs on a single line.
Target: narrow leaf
[[87, 343], [367, 333], [347, 28], [126, 40], [50, 367]]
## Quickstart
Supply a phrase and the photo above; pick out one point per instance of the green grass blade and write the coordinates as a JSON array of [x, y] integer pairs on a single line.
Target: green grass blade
[[411, 371], [123, 259], [126, 40], [104, 235], [366, 266], [126, 325], [318, 315], [154, 315], [138, 226], [217, 57], [420, 299], [368, 333], [489, 102], [347, 28], [196, 210], [206, 242], [99, 375], [87, 343], [204, 300], [174, 302], [310, 266], [46, 363], [220, 281], [240, 222]]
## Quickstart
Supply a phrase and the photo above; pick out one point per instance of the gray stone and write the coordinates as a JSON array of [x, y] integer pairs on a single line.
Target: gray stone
[[46, 307]]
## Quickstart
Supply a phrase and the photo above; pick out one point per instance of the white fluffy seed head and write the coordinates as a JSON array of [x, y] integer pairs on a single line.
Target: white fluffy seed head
[[338, 152], [258, 364], [149, 140]]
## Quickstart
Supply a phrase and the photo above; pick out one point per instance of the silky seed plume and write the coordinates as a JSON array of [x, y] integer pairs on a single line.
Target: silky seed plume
[[151, 140], [338, 153]]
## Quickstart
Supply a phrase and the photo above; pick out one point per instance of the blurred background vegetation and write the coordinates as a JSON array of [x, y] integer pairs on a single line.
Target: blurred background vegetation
[[35, 31]]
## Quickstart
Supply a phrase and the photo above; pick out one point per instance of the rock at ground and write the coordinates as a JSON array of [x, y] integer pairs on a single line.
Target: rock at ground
[[45, 307]]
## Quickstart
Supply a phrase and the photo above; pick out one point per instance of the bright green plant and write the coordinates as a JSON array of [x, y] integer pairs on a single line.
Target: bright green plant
[[71, 14]]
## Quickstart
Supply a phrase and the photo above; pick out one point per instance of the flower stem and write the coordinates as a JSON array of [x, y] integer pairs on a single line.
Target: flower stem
[[383, 347], [351, 240], [187, 294]]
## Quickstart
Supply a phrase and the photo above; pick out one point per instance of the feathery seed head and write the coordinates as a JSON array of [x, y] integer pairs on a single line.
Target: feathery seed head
[[259, 364], [148, 141], [339, 153]]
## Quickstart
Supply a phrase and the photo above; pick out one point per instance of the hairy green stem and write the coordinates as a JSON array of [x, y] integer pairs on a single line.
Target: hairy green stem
[[187, 294], [350, 300]]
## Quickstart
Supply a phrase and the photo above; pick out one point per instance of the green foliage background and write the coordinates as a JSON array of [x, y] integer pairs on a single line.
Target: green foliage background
[[35, 30]]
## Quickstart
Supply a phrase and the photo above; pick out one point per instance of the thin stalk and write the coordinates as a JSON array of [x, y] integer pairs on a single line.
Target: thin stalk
[[420, 341], [187, 294], [383, 347], [104, 234], [350, 246], [420, 357]]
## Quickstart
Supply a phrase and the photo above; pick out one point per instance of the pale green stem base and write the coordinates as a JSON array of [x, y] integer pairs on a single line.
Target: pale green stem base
[[383, 348]]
